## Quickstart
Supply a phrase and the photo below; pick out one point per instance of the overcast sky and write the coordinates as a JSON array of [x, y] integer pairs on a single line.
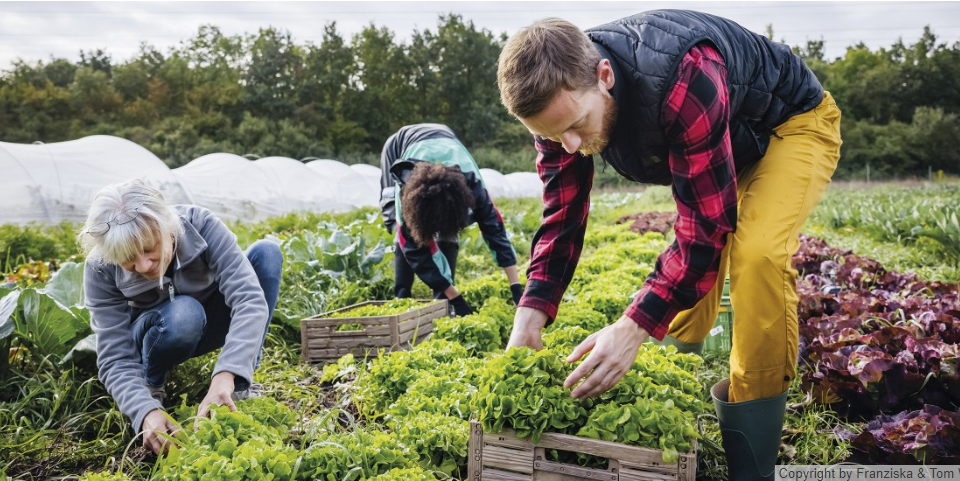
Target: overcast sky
[[34, 31]]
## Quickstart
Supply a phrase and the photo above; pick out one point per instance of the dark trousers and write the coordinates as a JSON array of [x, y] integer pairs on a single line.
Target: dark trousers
[[404, 273]]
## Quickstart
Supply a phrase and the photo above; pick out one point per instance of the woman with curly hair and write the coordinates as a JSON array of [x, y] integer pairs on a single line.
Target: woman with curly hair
[[432, 189]]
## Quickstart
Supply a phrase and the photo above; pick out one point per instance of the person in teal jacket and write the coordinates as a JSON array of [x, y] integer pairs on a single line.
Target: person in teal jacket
[[432, 189]]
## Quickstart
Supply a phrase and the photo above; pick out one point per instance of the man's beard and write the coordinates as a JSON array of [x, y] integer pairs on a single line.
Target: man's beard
[[597, 144]]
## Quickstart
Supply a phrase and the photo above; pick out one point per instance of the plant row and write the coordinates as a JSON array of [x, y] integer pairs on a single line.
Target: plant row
[[884, 347]]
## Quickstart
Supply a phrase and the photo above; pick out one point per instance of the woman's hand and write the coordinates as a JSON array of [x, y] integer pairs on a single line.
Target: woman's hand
[[221, 387], [154, 424], [460, 306]]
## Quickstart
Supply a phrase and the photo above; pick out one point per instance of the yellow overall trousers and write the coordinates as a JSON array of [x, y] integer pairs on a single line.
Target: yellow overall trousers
[[775, 197]]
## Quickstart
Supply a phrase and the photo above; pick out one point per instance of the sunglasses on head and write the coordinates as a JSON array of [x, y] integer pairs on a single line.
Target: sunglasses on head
[[125, 217]]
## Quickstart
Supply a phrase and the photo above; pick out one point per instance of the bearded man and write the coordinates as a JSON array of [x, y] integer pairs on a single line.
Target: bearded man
[[748, 140]]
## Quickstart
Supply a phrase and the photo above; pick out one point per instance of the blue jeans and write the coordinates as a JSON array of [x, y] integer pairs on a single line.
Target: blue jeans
[[174, 331]]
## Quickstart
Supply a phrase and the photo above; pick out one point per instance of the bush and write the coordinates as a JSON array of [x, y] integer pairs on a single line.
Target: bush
[[19, 245]]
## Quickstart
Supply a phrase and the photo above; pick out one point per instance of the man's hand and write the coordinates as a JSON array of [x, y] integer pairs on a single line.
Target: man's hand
[[527, 325], [221, 387], [155, 424], [614, 349]]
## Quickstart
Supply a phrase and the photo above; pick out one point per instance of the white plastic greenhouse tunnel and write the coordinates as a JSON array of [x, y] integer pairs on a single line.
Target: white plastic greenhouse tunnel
[[370, 173], [351, 186], [50, 183], [517, 184]]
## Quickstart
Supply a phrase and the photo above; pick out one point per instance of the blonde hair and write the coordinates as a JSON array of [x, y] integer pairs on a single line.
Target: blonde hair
[[125, 218], [539, 60]]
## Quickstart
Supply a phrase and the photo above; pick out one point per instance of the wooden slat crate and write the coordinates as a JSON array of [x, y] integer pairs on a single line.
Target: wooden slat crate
[[504, 457], [321, 342]]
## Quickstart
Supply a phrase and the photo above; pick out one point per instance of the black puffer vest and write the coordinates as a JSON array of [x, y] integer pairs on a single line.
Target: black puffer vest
[[767, 84]]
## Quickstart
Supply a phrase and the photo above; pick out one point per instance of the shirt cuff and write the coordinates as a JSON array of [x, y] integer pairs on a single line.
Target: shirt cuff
[[652, 313], [506, 260], [440, 287], [141, 414], [543, 295], [240, 381]]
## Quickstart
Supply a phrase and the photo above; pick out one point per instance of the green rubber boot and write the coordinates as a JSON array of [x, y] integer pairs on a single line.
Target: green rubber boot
[[684, 347], [751, 433]]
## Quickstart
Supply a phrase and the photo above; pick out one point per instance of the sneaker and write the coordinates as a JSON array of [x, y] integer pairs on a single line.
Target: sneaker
[[158, 393], [255, 390]]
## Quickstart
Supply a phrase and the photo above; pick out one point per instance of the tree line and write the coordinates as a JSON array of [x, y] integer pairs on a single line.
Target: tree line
[[264, 94]]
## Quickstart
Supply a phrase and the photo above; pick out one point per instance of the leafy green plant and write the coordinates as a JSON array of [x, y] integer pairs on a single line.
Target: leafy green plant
[[669, 368], [329, 267], [245, 444], [609, 296], [30, 274], [477, 291], [647, 422], [565, 339], [255, 459], [8, 305], [639, 385], [45, 321], [387, 378], [476, 332], [45, 327], [502, 313], [104, 476], [441, 350], [405, 474], [66, 286], [345, 366], [442, 390], [255, 417], [24, 244], [355, 455], [337, 251], [439, 440], [523, 390], [578, 314], [391, 374], [388, 308]]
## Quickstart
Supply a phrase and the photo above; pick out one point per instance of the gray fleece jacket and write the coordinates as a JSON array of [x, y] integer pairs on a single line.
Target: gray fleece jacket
[[207, 259]]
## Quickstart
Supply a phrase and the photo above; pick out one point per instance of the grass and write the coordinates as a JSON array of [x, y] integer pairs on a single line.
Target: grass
[[711, 462], [57, 421], [811, 436]]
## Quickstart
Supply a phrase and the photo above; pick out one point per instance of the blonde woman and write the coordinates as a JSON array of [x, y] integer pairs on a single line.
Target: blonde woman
[[167, 283]]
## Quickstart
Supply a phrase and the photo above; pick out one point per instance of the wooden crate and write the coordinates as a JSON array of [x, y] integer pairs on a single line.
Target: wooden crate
[[504, 457], [321, 342]]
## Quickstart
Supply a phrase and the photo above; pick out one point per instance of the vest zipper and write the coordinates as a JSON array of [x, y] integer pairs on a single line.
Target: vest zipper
[[170, 290]]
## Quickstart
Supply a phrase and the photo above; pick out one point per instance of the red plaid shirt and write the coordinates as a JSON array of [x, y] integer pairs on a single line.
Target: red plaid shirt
[[695, 118]]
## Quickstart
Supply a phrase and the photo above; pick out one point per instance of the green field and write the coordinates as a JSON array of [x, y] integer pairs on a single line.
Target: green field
[[405, 415]]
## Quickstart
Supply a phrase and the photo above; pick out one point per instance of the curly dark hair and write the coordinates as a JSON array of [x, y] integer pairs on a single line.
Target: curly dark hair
[[435, 200]]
